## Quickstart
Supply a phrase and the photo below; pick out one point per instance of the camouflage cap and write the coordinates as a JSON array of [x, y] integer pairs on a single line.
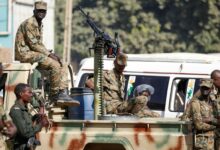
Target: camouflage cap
[[206, 82], [121, 59], [40, 5]]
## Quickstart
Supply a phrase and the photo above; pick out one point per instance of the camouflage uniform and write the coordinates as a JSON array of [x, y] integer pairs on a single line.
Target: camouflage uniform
[[187, 112], [113, 92], [215, 96], [29, 49], [23, 121], [204, 138], [201, 107]]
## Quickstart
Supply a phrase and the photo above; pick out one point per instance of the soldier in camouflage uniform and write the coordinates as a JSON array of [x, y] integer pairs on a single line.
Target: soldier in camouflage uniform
[[29, 49], [138, 105], [200, 109], [6, 125], [114, 85], [215, 96], [25, 137]]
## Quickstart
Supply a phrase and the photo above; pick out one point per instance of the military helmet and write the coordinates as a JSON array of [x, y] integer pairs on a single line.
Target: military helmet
[[40, 5], [206, 82], [121, 59], [143, 87]]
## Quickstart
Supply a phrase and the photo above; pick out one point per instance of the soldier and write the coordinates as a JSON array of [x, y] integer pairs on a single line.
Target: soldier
[[113, 86], [202, 108], [29, 49], [215, 96], [7, 127], [25, 137], [139, 106]]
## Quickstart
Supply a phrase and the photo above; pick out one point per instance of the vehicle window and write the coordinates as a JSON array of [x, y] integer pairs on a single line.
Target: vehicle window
[[183, 90], [83, 79], [160, 84]]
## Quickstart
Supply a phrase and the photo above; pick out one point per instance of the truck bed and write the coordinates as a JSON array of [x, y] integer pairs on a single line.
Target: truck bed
[[150, 133]]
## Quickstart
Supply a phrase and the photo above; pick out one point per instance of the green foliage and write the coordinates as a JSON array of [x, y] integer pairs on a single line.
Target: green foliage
[[145, 26]]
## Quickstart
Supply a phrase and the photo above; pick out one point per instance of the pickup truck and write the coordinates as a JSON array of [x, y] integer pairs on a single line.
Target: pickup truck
[[118, 132]]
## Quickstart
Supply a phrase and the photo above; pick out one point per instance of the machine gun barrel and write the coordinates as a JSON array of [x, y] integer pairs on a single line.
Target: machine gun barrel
[[91, 23]]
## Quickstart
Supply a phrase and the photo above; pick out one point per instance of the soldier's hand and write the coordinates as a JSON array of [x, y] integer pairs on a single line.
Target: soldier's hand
[[90, 84], [44, 120], [10, 129], [206, 120], [55, 57]]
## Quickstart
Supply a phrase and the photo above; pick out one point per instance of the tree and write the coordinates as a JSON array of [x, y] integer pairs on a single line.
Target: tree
[[146, 26]]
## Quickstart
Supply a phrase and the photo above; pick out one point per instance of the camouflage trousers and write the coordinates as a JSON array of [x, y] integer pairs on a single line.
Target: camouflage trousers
[[204, 142], [57, 74]]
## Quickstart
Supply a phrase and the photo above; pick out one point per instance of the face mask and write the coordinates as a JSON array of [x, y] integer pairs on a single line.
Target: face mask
[[206, 92], [149, 97]]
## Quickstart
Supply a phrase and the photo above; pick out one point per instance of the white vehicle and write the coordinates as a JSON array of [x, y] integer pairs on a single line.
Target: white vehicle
[[174, 76]]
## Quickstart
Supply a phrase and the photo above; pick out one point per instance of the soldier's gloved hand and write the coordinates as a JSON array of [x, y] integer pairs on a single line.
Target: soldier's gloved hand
[[99, 42]]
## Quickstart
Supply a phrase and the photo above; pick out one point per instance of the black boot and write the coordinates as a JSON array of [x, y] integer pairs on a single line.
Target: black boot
[[63, 99]]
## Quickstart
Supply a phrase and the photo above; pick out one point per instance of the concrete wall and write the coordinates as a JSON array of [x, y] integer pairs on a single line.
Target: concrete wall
[[6, 31]]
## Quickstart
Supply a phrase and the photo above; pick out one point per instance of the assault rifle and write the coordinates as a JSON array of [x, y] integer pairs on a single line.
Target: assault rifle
[[112, 46]]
